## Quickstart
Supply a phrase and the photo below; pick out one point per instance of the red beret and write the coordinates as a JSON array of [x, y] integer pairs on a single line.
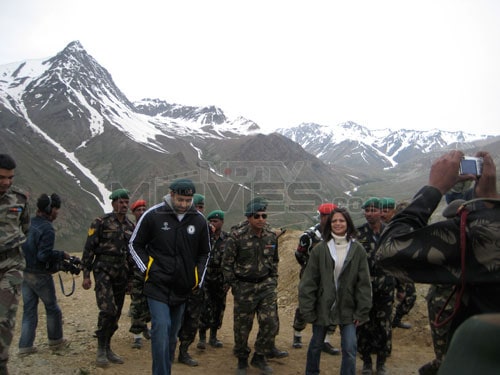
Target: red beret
[[138, 203], [326, 208]]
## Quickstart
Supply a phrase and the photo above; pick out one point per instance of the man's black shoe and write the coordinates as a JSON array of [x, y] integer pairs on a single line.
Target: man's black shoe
[[328, 348], [215, 342], [401, 324], [276, 353], [187, 360], [297, 342], [242, 366], [260, 362]]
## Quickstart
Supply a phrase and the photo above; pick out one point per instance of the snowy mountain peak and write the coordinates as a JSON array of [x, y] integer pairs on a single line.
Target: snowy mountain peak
[[332, 143]]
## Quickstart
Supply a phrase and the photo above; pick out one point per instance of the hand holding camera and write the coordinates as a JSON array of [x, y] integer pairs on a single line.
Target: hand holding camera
[[471, 165], [481, 168], [73, 265]]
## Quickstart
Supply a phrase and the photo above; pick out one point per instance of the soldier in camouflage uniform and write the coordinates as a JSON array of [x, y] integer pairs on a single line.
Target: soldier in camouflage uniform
[[375, 337], [250, 268], [214, 302], [106, 255], [411, 249], [406, 294], [14, 224], [441, 297], [310, 238], [139, 309]]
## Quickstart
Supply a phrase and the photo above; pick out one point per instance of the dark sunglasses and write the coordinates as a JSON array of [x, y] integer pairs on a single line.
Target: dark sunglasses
[[258, 216]]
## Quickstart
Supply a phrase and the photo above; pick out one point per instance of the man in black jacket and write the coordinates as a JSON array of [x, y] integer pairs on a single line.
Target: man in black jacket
[[170, 245]]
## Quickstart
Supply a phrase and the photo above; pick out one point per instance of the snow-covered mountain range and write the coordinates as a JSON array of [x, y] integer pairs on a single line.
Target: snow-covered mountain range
[[72, 131], [353, 145]]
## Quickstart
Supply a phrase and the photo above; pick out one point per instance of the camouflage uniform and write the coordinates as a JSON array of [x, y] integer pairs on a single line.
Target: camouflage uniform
[[14, 224], [437, 297], [410, 297], [190, 321], [106, 255], [215, 295], [139, 309], [375, 337], [412, 250], [250, 267]]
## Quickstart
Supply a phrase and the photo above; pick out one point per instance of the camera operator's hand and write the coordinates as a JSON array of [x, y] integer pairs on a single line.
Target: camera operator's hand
[[444, 171], [486, 186], [87, 283]]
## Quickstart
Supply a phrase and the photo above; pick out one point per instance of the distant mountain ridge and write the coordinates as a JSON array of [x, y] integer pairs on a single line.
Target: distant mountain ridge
[[72, 131], [349, 144]]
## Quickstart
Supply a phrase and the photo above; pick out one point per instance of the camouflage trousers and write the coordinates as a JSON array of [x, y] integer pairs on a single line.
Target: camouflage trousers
[[404, 306], [110, 287], [11, 278], [375, 336], [214, 305], [436, 300], [139, 309], [191, 319], [251, 299]]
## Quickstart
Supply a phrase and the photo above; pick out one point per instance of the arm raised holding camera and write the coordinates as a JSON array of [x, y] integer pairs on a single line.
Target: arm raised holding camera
[[412, 250]]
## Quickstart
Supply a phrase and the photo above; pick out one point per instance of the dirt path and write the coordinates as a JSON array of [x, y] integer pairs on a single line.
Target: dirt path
[[411, 348]]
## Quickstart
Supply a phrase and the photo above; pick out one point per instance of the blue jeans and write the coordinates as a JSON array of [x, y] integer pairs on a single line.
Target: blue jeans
[[165, 325], [348, 344], [39, 286]]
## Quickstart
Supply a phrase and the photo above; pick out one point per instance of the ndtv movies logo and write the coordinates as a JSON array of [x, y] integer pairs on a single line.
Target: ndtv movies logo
[[233, 184]]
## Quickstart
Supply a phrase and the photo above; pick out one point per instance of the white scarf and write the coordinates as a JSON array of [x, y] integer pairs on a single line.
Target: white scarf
[[339, 247]]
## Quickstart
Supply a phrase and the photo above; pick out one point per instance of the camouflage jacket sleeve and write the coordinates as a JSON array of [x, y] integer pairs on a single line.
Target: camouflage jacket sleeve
[[91, 244], [411, 250], [228, 261], [14, 219]]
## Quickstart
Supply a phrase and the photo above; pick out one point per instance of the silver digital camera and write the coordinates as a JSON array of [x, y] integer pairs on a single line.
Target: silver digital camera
[[471, 165]]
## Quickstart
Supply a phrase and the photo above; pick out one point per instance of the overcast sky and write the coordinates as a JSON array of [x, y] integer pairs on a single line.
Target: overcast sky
[[420, 64]]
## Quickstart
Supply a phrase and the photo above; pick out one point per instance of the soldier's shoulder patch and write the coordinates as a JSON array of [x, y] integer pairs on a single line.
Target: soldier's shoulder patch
[[91, 232], [20, 193]]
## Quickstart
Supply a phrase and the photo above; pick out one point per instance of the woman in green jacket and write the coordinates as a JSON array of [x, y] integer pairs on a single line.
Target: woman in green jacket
[[335, 289]]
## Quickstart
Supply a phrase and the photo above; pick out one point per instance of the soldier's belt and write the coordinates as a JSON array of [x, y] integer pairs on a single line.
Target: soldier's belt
[[111, 258], [9, 253], [254, 280]]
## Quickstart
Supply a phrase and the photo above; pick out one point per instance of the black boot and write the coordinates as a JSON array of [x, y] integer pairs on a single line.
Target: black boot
[[397, 323], [367, 365], [184, 356], [242, 366], [297, 342], [213, 339], [328, 348], [112, 357], [381, 370], [102, 358], [259, 361], [202, 344], [276, 353], [3, 368]]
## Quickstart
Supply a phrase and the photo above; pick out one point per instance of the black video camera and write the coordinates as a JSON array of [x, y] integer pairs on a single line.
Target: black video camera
[[72, 265]]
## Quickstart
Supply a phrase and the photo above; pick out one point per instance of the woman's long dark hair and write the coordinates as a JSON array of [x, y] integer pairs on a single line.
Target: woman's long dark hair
[[351, 229]]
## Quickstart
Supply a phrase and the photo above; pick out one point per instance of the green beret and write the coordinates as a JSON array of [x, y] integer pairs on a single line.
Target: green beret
[[375, 202], [183, 186], [198, 199], [387, 203], [217, 214], [258, 200], [119, 193], [254, 207]]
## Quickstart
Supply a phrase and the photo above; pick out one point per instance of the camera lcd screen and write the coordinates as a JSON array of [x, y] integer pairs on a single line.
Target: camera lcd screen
[[468, 167]]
